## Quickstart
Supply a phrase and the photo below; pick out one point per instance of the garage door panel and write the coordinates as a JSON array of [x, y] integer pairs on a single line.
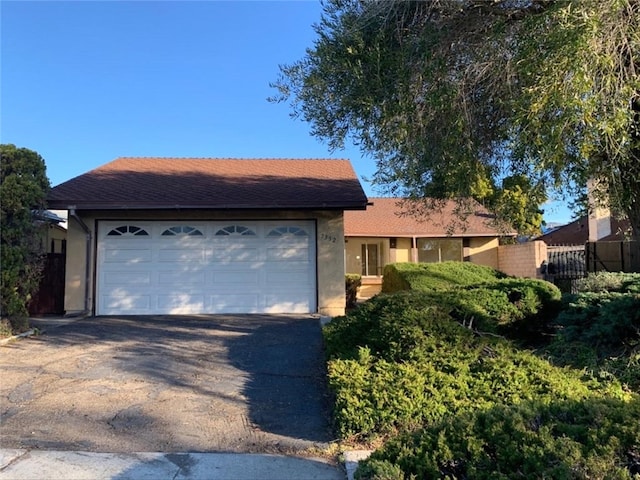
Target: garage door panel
[[181, 303], [240, 303], [127, 278], [234, 254], [287, 278], [287, 254], [286, 303], [127, 255], [182, 277], [236, 279], [177, 255], [206, 273], [127, 302]]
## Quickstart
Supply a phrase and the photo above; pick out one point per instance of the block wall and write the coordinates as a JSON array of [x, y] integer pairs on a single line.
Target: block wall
[[522, 260]]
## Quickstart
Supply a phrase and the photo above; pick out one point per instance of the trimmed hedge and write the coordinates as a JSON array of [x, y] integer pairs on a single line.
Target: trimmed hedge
[[435, 276], [480, 296]]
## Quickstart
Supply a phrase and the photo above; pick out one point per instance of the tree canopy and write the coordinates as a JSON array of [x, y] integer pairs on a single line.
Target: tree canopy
[[449, 95], [23, 189]]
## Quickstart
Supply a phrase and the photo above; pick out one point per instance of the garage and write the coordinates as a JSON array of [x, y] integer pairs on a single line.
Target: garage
[[167, 235], [192, 267]]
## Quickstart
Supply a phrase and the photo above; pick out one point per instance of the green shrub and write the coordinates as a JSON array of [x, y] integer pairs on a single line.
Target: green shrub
[[399, 362], [590, 438], [609, 282], [600, 333], [601, 319], [352, 281], [435, 276], [520, 307], [379, 470]]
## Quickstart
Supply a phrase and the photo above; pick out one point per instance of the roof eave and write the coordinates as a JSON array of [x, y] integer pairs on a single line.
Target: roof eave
[[102, 206], [429, 235]]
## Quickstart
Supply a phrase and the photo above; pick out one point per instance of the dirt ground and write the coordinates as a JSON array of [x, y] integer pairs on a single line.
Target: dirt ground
[[232, 383]]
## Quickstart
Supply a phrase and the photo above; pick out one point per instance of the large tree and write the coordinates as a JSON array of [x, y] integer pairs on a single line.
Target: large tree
[[23, 189], [449, 94]]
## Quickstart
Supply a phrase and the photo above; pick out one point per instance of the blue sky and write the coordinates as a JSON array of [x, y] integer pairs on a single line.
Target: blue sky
[[83, 83]]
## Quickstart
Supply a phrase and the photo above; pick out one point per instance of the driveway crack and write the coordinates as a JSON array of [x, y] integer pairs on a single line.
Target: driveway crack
[[15, 460]]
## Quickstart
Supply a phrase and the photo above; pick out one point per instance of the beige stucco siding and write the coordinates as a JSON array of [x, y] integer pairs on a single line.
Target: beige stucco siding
[[331, 293], [75, 272], [330, 250], [483, 251], [403, 250]]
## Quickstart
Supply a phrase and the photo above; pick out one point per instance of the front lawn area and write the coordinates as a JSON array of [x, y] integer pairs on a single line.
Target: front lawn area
[[489, 377]]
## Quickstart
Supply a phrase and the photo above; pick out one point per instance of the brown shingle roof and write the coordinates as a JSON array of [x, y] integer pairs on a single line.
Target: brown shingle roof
[[391, 217], [221, 183]]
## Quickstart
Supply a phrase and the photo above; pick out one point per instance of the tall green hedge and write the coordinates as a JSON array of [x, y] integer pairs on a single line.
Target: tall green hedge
[[435, 276]]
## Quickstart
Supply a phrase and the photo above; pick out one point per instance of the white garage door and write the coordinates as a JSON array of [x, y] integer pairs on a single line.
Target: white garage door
[[206, 267]]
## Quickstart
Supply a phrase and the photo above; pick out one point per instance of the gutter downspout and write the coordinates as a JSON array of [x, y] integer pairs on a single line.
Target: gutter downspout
[[85, 228]]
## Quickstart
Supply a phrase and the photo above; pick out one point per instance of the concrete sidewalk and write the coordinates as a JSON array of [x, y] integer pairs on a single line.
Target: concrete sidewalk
[[43, 465]]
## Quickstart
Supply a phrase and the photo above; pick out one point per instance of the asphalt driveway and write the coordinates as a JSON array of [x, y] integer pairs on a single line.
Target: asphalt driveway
[[224, 383]]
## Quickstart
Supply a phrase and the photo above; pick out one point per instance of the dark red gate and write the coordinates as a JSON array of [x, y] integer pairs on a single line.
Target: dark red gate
[[49, 299]]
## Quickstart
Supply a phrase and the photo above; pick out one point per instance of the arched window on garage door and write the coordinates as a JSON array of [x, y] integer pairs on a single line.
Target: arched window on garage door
[[128, 231], [235, 230], [182, 230], [283, 231]]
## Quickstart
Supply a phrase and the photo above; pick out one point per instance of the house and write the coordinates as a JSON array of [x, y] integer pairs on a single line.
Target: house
[[389, 231], [202, 235], [578, 232]]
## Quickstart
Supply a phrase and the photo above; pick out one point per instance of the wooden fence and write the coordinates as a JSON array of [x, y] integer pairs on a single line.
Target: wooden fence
[[616, 256]]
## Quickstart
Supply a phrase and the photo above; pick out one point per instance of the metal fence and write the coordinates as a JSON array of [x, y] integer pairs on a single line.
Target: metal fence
[[565, 265]]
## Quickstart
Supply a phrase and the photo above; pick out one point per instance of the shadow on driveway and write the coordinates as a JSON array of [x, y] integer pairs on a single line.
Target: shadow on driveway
[[241, 383]]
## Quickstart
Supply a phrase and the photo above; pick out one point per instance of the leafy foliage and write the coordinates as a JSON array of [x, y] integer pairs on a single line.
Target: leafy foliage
[[353, 281], [449, 96], [24, 186]]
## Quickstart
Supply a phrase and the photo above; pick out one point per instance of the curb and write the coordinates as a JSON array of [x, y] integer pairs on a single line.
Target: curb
[[351, 460]]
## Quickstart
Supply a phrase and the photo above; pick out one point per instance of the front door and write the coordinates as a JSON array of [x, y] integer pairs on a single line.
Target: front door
[[369, 259]]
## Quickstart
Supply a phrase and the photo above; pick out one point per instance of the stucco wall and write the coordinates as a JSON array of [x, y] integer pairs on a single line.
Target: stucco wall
[[483, 251], [403, 250], [523, 259], [330, 250]]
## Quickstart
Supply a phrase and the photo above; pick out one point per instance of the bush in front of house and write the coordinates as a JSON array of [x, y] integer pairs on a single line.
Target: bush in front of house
[[400, 362], [519, 308], [561, 439], [435, 276], [600, 333], [352, 281], [459, 402]]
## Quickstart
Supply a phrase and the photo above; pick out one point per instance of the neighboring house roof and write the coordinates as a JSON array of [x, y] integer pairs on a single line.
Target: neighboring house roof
[[220, 183], [48, 216], [393, 217], [577, 232]]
